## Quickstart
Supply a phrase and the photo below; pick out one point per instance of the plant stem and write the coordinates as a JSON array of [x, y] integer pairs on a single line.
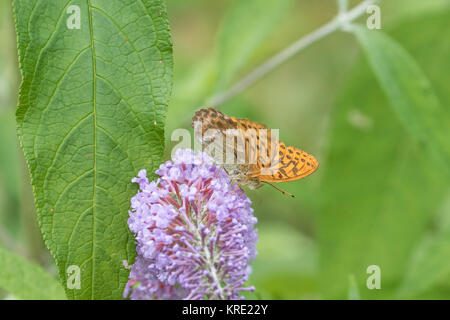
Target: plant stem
[[340, 21]]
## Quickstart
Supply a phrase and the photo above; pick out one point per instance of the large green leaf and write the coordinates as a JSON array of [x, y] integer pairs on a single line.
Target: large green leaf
[[410, 93], [25, 280], [91, 114], [380, 187]]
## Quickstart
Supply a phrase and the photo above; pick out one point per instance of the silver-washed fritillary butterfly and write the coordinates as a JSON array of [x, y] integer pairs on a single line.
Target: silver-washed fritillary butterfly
[[259, 158]]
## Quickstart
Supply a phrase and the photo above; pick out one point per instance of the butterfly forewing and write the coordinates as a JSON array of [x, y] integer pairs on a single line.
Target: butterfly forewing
[[212, 125]]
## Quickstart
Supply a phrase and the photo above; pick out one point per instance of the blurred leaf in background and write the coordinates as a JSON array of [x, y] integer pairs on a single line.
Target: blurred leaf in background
[[25, 280], [286, 266], [427, 273], [9, 159], [410, 94], [380, 187], [19, 229]]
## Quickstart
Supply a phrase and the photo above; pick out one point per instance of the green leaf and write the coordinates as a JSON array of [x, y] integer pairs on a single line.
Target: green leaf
[[189, 94], [353, 291], [9, 172], [428, 265], [246, 25], [410, 93], [10, 159], [91, 114], [286, 263], [25, 280], [379, 186]]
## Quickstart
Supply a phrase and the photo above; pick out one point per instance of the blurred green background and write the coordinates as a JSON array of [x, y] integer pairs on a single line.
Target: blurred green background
[[377, 199]]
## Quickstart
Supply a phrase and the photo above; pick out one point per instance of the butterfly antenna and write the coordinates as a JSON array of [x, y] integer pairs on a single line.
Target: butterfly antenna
[[282, 191]]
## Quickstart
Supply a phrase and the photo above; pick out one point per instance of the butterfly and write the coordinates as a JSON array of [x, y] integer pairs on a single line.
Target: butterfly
[[249, 152]]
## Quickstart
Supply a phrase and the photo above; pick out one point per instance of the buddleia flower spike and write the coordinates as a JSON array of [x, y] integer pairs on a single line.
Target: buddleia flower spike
[[194, 231]]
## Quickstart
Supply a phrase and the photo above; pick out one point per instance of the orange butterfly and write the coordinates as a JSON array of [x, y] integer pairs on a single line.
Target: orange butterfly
[[248, 151]]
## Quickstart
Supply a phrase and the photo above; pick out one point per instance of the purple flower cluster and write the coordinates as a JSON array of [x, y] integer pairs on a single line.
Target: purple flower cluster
[[194, 231]]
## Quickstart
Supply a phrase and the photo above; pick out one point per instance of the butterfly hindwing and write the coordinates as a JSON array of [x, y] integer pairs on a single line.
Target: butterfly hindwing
[[293, 164]]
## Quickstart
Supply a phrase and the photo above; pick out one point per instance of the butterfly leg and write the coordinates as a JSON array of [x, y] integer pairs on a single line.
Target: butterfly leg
[[218, 171], [237, 187]]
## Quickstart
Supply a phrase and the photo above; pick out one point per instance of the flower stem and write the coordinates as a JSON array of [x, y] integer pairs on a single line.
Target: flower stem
[[341, 20], [212, 270]]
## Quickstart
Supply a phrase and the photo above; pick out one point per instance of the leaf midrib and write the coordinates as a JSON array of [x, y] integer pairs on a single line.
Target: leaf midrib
[[94, 113]]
